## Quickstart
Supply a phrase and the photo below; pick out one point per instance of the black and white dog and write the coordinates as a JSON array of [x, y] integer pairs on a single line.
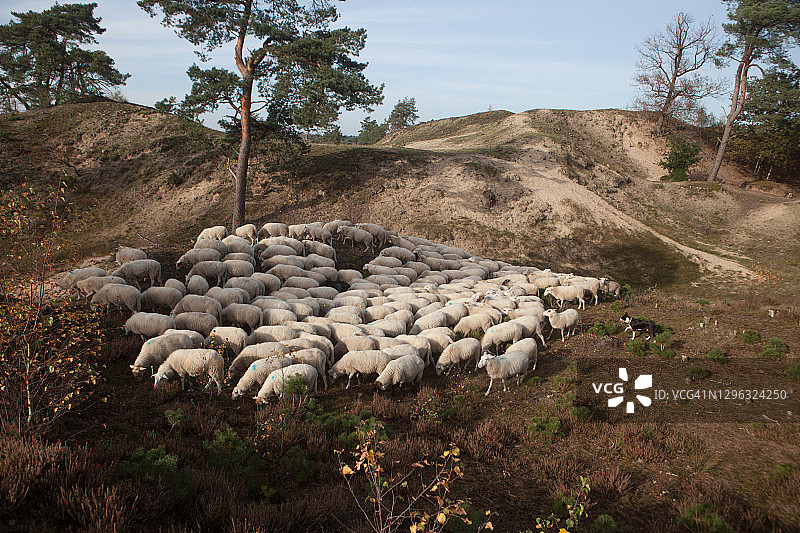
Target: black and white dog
[[634, 324]]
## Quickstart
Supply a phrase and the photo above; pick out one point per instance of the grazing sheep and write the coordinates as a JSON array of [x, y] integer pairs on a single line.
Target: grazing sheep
[[209, 269], [248, 231], [196, 285], [173, 283], [531, 325], [430, 321], [161, 297], [92, 284], [148, 324], [240, 256], [354, 343], [231, 295], [276, 381], [276, 317], [271, 283], [257, 373], [262, 350], [568, 320], [610, 286], [118, 295], [214, 233], [274, 229], [478, 321], [528, 346], [402, 254], [314, 357], [318, 234], [359, 362], [252, 286], [356, 235], [68, 280], [192, 363], [502, 333], [567, 292], [398, 350], [200, 322], [156, 350], [462, 351], [390, 326], [272, 334], [140, 269], [285, 272], [422, 344], [406, 369], [213, 244], [591, 285], [232, 338], [455, 312], [379, 234], [243, 315], [236, 268], [197, 338], [437, 341], [297, 231], [195, 255], [198, 304], [277, 250], [508, 365], [125, 254]]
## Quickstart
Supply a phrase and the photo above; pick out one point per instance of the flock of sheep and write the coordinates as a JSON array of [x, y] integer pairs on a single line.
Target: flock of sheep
[[273, 303]]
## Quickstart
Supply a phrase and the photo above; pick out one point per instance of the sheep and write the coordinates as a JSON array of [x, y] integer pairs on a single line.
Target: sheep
[[391, 327], [228, 296], [200, 322], [92, 284], [272, 334], [271, 283], [406, 369], [454, 312], [422, 344], [232, 338], [243, 314], [285, 272], [276, 317], [478, 321], [236, 268], [197, 338], [500, 334], [161, 297], [403, 315], [213, 233], [358, 362], [248, 231], [591, 285], [296, 231], [610, 286], [274, 250], [377, 232], [125, 254], [354, 343], [531, 325], [239, 256], [464, 350], [189, 363], [173, 283], [212, 244], [257, 373], [314, 357], [199, 304], [402, 254], [300, 282], [276, 381], [528, 346], [156, 350], [118, 295], [347, 275], [133, 271], [252, 286], [562, 321], [567, 292], [430, 321], [356, 235], [274, 229], [148, 324], [438, 342], [508, 365], [68, 280], [196, 285], [385, 260], [398, 350], [402, 242], [262, 350], [208, 269], [318, 234]]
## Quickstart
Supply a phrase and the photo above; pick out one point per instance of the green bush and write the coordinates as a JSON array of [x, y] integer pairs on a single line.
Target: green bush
[[751, 336], [237, 456], [549, 428], [682, 155], [580, 411], [702, 301], [794, 372], [636, 347], [150, 464], [295, 460], [603, 524], [718, 355], [697, 373], [701, 517], [774, 348], [662, 342], [295, 386], [174, 179], [605, 328]]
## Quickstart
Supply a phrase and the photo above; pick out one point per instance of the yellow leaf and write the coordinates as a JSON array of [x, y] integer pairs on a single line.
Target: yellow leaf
[[346, 470], [489, 526], [441, 518]]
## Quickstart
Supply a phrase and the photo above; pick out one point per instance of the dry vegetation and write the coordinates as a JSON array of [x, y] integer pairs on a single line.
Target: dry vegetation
[[131, 458]]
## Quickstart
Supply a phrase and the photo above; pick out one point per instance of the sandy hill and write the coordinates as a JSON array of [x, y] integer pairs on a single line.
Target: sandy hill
[[575, 190]]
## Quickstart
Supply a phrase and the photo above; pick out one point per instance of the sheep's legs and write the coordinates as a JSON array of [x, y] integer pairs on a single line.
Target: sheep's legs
[[544, 344], [562, 335], [348, 381], [491, 380], [505, 389]]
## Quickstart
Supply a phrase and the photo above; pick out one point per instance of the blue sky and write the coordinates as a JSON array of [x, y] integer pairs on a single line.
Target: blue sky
[[455, 57]]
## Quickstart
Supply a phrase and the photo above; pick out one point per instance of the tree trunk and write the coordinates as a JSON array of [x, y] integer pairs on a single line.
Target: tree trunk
[[244, 154], [737, 103]]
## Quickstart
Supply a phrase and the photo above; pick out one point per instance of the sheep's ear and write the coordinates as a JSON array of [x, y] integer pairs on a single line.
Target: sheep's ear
[[132, 367]]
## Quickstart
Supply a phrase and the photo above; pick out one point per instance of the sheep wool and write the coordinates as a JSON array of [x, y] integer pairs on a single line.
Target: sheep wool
[[156, 350], [276, 381], [257, 373], [359, 362], [148, 324], [262, 350], [464, 350], [407, 369], [502, 367], [193, 363]]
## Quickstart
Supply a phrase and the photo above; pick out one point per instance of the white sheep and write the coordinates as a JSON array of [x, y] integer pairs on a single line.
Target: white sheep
[[359, 362], [125, 254], [391, 327], [422, 344], [430, 321], [402, 254], [276, 317], [200, 322], [568, 320], [195, 255], [197, 338], [213, 244], [262, 350], [378, 233], [161, 297], [140, 269], [257, 373], [240, 256], [477, 322], [194, 362], [501, 334], [68, 280], [243, 315], [148, 324], [156, 350], [438, 342], [118, 295], [214, 233], [356, 235], [272, 334], [232, 338], [198, 304], [318, 234], [508, 365], [196, 284], [252, 286], [274, 229], [247, 231], [399, 350], [209, 269], [610, 286], [236, 267], [591, 285], [569, 293], [528, 346], [173, 283], [462, 351], [531, 325], [314, 357], [406, 369], [276, 381], [92, 284], [231, 295]]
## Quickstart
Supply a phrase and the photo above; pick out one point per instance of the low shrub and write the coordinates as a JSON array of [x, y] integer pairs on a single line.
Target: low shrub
[[718, 355], [774, 348], [701, 517], [603, 524], [794, 372], [636, 347], [548, 428], [174, 179], [605, 328], [696, 373], [295, 460], [750, 336]]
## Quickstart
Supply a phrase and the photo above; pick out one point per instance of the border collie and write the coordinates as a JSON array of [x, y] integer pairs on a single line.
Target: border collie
[[634, 324]]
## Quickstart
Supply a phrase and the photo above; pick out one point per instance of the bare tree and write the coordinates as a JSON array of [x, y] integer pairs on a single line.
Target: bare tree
[[668, 69]]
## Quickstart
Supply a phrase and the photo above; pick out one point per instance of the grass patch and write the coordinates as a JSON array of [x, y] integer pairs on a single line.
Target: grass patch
[[751, 336], [605, 328], [718, 355], [697, 373], [774, 348], [637, 347]]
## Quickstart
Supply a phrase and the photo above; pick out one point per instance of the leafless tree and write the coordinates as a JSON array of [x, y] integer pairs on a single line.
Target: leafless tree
[[667, 72]]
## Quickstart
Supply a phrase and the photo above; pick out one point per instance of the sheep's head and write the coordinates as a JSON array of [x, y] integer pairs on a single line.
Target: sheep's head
[[260, 400], [549, 313], [236, 394], [439, 369], [548, 290], [485, 358], [158, 379]]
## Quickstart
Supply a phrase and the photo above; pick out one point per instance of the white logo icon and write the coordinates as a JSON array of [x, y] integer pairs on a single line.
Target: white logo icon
[[644, 381]]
